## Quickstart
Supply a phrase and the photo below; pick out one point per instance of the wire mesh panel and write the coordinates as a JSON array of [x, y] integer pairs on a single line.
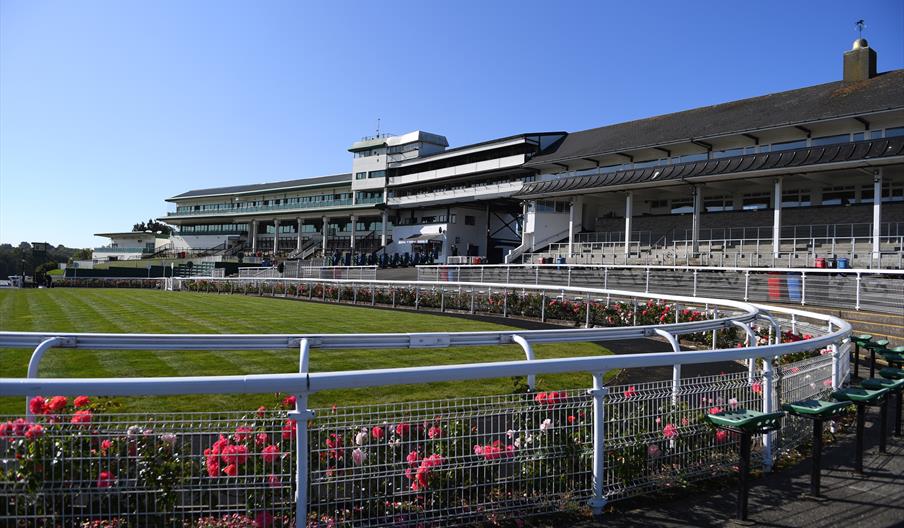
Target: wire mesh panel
[[450, 461], [657, 437], [72, 465]]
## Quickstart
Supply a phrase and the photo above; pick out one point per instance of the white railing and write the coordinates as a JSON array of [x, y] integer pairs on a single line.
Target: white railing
[[518, 453], [858, 289]]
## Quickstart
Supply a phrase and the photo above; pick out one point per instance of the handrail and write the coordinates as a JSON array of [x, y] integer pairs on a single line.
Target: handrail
[[834, 271]]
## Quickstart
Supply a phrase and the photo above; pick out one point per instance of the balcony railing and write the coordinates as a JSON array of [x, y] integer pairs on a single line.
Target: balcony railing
[[109, 249], [265, 208]]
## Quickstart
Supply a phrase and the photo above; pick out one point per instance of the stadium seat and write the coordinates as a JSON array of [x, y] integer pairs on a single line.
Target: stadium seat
[[862, 398], [819, 411]]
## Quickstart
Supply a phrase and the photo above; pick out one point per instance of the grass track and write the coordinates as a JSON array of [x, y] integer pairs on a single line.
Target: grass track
[[151, 311]]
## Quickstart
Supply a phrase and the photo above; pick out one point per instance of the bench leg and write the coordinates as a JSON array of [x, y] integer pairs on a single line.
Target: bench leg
[[858, 460], [872, 363], [817, 458], [883, 426], [856, 361], [744, 467], [898, 413]]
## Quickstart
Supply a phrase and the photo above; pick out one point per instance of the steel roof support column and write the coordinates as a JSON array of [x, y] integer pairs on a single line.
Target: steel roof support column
[[629, 212], [776, 218], [325, 229], [254, 236], [383, 227], [275, 237], [877, 216], [695, 225], [298, 235], [352, 246], [571, 228], [598, 498]]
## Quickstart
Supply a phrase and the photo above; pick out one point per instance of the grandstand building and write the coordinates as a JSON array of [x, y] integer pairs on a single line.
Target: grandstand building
[[783, 178]]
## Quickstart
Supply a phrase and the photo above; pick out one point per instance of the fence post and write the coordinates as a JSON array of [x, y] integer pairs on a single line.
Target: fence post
[[768, 400], [301, 415], [33, 363], [676, 368], [587, 314], [647, 285], [695, 284], [803, 288], [746, 285], [543, 306], [504, 302], [442, 299], [529, 354], [598, 392], [857, 303]]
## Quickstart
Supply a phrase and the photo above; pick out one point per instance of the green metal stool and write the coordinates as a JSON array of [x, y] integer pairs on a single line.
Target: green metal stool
[[747, 423], [862, 398], [859, 341], [894, 381], [873, 347], [894, 359], [819, 411]]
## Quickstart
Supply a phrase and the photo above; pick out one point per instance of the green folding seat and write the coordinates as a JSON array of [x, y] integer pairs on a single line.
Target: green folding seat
[[859, 341]]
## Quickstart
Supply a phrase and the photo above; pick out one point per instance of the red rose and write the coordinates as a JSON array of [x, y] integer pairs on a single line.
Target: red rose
[[403, 429], [270, 453], [34, 432], [435, 432], [289, 429], [57, 403], [377, 433], [231, 470], [37, 405], [82, 417], [289, 401], [235, 455], [105, 479], [81, 401]]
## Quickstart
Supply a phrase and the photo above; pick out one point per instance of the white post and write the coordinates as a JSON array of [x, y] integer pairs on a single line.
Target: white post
[[529, 354], [695, 224], [629, 212], [275, 236], [325, 228], [298, 241], [301, 415], [776, 217], [254, 236], [768, 407], [354, 220], [676, 368], [598, 500], [877, 214], [383, 227], [571, 228]]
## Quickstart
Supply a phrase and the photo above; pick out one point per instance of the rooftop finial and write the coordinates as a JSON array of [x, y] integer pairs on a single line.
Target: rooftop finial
[[860, 24]]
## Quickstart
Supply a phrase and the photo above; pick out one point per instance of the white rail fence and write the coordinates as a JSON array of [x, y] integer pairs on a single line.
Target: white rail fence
[[437, 462], [875, 290]]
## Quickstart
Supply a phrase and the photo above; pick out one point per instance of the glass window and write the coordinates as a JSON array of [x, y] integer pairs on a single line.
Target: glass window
[[795, 198], [376, 174], [360, 175], [469, 220], [789, 145], [830, 140], [894, 132], [713, 204], [838, 195], [659, 204], [755, 201], [728, 153], [858, 136], [682, 205]]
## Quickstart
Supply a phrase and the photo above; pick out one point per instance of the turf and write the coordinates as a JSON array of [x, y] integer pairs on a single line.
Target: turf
[[151, 311]]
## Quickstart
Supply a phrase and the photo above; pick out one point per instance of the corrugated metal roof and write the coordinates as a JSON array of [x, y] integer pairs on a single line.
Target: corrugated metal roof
[[794, 107], [861, 150], [261, 187]]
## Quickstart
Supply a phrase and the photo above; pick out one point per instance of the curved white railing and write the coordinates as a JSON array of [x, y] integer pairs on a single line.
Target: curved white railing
[[830, 333]]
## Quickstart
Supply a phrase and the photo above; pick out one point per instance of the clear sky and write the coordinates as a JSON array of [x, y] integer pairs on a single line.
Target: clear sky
[[109, 107]]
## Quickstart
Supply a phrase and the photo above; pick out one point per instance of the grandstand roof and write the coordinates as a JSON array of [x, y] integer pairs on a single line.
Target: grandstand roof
[[797, 158], [318, 181], [791, 108]]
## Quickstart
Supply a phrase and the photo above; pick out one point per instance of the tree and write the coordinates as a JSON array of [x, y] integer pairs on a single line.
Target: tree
[[154, 226]]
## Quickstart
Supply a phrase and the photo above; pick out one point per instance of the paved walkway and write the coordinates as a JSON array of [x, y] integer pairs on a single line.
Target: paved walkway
[[874, 500]]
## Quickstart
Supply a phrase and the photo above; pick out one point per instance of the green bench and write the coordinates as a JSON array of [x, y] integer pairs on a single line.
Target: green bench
[[893, 380], [747, 423], [873, 347], [862, 398], [819, 411], [859, 341]]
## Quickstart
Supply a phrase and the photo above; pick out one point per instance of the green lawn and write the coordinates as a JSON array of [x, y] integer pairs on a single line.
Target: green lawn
[[151, 311]]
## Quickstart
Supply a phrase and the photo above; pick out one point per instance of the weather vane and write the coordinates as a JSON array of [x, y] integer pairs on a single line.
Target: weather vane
[[860, 24]]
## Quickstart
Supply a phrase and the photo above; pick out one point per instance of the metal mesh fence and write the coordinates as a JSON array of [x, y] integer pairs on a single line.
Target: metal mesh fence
[[426, 463]]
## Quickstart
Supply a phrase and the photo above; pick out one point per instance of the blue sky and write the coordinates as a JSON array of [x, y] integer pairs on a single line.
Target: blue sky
[[108, 107]]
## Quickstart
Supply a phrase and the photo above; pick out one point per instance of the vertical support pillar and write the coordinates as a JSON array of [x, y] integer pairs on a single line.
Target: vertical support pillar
[[768, 407], [301, 415], [598, 499], [571, 228], [275, 236], [776, 218], [298, 234], [676, 368], [877, 215], [352, 243], [325, 230], [384, 228], [254, 236], [695, 221], [629, 212]]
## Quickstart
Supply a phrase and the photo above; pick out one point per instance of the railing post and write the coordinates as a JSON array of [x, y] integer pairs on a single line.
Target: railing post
[[857, 303], [529, 354], [301, 415], [598, 392], [504, 302], [803, 288], [768, 406], [746, 285], [587, 314], [33, 363], [647, 285], [543, 306], [695, 284], [676, 368]]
